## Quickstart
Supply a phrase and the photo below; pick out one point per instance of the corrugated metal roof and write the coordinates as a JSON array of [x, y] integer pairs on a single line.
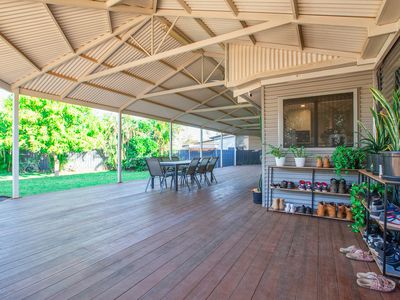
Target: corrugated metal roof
[[42, 34]]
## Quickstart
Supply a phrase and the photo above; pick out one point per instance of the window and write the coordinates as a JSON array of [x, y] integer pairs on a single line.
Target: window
[[319, 121]]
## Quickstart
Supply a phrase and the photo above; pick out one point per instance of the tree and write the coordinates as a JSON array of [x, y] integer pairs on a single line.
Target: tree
[[51, 128]]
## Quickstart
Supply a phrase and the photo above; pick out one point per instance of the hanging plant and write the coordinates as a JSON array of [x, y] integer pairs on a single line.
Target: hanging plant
[[357, 194]]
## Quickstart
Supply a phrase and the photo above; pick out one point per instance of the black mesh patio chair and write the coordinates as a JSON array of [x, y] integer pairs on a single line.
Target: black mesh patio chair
[[202, 169], [155, 170], [191, 173], [210, 168]]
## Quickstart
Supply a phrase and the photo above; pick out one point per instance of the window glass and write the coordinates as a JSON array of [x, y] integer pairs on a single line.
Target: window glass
[[319, 121]]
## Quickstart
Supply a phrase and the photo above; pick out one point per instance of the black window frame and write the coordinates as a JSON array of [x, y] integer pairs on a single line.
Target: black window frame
[[314, 116]]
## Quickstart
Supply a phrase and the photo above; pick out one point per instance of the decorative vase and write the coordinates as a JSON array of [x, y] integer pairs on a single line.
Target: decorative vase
[[327, 163], [280, 161], [300, 161], [391, 165], [319, 163]]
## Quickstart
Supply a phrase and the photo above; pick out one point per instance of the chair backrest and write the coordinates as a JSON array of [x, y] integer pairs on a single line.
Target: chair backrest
[[153, 164], [175, 158], [203, 165], [211, 165], [192, 166]]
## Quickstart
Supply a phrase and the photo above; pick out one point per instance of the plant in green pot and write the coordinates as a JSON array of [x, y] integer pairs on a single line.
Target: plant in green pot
[[347, 158], [279, 154], [257, 192], [390, 114], [373, 144], [299, 154]]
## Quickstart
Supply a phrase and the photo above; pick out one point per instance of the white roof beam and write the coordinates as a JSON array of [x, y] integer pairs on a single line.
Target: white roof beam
[[185, 6], [227, 107], [185, 89], [254, 16], [295, 8], [110, 3], [240, 118], [187, 48], [65, 58]]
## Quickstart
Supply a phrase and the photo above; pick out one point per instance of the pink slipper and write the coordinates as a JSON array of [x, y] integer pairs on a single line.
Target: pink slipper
[[379, 283], [349, 249], [360, 255]]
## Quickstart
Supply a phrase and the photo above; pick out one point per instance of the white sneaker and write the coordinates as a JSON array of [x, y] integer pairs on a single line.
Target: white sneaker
[[292, 209], [287, 207]]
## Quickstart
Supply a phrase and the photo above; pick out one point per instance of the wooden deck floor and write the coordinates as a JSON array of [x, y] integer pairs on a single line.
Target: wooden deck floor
[[115, 241]]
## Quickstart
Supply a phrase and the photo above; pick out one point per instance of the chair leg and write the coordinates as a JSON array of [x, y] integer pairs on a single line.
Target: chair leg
[[148, 183], [206, 179], [187, 182], [213, 177], [197, 181], [161, 184]]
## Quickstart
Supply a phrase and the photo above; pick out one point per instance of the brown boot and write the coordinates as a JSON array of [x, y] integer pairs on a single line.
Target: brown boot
[[341, 211], [319, 163], [321, 209], [281, 204], [275, 203], [349, 214], [331, 210], [327, 163]]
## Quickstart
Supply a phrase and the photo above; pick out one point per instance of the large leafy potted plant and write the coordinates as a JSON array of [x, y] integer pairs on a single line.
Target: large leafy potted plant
[[374, 143], [279, 154], [347, 158], [390, 114], [299, 155]]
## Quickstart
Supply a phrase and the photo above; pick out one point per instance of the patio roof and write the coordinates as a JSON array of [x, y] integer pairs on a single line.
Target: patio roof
[[167, 59]]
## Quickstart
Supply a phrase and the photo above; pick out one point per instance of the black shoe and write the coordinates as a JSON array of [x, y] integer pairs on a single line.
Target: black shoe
[[284, 184], [308, 210], [291, 185], [301, 209]]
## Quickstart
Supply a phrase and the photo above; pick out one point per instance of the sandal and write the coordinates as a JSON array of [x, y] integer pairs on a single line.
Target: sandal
[[350, 249], [367, 275], [379, 283], [360, 255]]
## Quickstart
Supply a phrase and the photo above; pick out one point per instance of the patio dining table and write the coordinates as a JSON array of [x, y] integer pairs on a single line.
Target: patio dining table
[[175, 164]]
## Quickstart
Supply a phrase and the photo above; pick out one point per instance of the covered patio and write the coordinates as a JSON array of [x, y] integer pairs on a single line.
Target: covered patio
[[293, 73], [115, 241]]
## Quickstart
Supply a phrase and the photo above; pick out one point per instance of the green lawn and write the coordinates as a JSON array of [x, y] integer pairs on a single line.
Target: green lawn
[[31, 184]]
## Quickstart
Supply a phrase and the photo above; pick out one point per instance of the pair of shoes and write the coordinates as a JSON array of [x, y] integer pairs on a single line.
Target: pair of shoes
[[290, 208], [338, 186], [291, 185], [305, 185], [278, 204], [341, 211], [284, 184], [373, 281]]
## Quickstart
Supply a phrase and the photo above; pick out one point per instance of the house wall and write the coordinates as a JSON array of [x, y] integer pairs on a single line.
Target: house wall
[[388, 68], [273, 94]]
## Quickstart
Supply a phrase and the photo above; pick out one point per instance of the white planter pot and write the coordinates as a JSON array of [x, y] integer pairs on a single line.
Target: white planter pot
[[280, 161], [300, 161]]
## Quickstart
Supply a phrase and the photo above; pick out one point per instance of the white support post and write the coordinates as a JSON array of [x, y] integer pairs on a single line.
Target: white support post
[[263, 153], [234, 152], [119, 148], [221, 151], [201, 142], [170, 139], [15, 146]]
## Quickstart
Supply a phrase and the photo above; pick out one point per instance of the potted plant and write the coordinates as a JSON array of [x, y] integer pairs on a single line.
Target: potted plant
[[279, 154], [299, 155], [347, 158], [257, 192], [374, 143], [390, 114]]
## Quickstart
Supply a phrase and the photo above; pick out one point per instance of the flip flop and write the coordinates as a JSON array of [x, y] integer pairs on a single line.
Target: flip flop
[[380, 284], [349, 249], [367, 275], [360, 255]]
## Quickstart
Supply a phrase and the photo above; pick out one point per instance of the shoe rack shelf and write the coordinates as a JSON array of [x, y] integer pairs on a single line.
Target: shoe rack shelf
[[313, 170], [366, 176], [309, 215]]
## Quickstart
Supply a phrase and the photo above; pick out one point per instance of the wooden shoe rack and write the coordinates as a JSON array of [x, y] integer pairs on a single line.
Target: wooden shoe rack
[[368, 177], [313, 171]]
